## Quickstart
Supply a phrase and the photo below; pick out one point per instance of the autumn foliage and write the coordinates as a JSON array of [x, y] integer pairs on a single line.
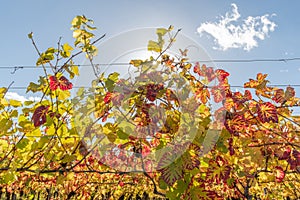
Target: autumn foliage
[[153, 136]]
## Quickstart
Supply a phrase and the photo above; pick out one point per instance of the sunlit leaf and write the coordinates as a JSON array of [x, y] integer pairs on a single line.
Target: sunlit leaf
[[221, 74], [136, 63], [218, 93], [267, 112], [15, 103]]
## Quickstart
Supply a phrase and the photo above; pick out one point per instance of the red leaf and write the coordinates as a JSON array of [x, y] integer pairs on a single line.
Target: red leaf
[[39, 115], [53, 83], [210, 74], [248, 95], [146, 150], [267, 112], [238, 97], [284, 155], [236, 125], [107, 97], [197, 69], [63, 83], [279, 174], [296, 155], [221, 74], [207, 72]]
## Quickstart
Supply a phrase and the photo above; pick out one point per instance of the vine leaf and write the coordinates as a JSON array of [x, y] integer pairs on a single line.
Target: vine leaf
[[197, 193], [267, 112], [39, 115], [289, 93], [170, 172], [191, 157], [173, 164], [218, 93], [63, 83], [279, 96], [221, 74]]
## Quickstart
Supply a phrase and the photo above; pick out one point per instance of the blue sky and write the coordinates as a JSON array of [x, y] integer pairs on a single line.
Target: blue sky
[[51, 19]]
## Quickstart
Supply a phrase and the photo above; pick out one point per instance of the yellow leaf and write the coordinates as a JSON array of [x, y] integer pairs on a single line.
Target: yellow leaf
[[75, 70], [136, 63], [30, 35], [15, 103], [161, 31], [4, 102], [77, 33], [154, 46], [63, 95]]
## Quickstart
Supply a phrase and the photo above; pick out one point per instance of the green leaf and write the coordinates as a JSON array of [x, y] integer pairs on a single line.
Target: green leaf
[[122, 135], [210, 140], [111, 80], [43, 141], [162, 184], [22, 144], [46, 57], [181, 186], [68, 158], [33, 87], [171, 168], [196, 193], [14, 113], [111, 137], [9, 177], [28, 103], [5, 125]]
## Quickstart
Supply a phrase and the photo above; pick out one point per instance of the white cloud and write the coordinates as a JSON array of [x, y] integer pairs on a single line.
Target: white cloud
[[16, 96], [232, 32]]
